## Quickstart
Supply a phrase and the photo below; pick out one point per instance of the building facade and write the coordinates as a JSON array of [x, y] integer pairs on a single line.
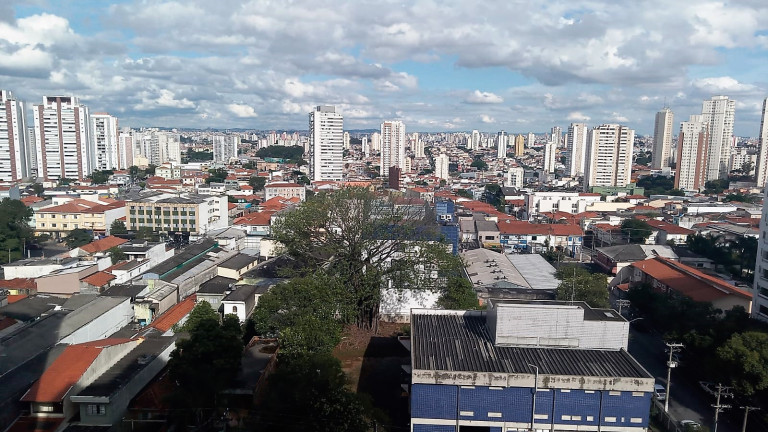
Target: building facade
[[692, 149], [760, 285], [501, 144], [609, 156], [550, 151], [519, 145], [442, 164], [576, 146], [14, 145], [62, 138], [662, 138], [718, 112], [194, 214], [225, 147], [392, 146], [326, 142], [762, 153], [286, 190], [106, 144]]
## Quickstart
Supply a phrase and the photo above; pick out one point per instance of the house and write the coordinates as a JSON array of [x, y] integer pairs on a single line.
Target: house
[[487, 233], [235, 267], [523, 236], [214, 291], [667, 233], [668, 276], [64, 282], [99, 246], [242, 300], [614, 258], [526, 366]]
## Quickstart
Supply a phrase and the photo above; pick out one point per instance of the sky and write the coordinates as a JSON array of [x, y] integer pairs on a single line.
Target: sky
[[437, 65]]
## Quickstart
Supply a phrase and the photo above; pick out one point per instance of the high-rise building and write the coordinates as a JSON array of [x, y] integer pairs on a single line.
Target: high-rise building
[[475, 144], [501, 145], [556, 135], [550, 149], [326, 136], [576, 146], [62, 137], [718, 113], [531, 140], [127, 151], [225, 147], [515, 177], [442, 164], [743, 157], [392, 146], [762, 153], [346, 140], [692, 149], [760, 286], [609, 156], [158, 146], [417, 145], [519, 145], [105, 142], [662, 138], [366, 146], [14, 148], [31, 153], [376, 142]]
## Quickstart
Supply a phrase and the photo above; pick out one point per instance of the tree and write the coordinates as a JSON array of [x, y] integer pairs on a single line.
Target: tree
[[145, 233], [134, 172], [581, 285], [745, 359], [316, 387], [292, 154], [14, 227], [747, 167], [117, 227], [65, 181], [116, 254], [205, 363], [716, 186], [257, 183], [78, 237], [38, 189], [479, 163], [459, 294], [100, 176], [636, 230], [368, 243], [216, 175]]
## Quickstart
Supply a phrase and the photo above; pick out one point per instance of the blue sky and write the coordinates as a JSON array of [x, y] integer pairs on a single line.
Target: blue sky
[[452, 65]]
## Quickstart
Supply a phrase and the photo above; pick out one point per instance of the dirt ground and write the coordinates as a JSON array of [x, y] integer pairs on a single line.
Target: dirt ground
[[373, 364]]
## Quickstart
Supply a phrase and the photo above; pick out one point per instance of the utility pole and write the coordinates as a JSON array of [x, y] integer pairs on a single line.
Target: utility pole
[[622, 302], [747, 409], [721, 391], [673, 348]]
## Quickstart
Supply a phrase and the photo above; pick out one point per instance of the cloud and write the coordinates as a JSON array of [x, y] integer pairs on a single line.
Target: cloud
[[478, 97], [487, 119], [578, 117], [618, 118], [242, 111], [723, 84]]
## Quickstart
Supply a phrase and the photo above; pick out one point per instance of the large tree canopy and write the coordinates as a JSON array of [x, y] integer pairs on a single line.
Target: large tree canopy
[[745, 357], [636, 230], [368, 242], [14, 226], [581, 285]]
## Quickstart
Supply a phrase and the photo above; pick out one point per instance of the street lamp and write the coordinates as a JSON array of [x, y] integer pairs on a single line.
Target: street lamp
[[673, 348], [535, 390]]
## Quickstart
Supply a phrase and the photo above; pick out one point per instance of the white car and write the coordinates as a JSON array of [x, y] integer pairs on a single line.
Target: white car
[[659, 392], [689, 425]]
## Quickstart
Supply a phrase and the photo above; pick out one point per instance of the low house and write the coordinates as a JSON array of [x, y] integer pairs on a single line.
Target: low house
[[237, 266], [667, 233], [487, 233], [522, 236], [242, 300], [64, 282], [214, 291], [614, 258]]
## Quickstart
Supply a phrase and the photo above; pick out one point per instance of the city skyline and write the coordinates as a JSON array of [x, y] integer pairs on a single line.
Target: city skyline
[[435, 68]]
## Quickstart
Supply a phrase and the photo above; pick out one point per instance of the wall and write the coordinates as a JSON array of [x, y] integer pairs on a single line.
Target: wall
[[64, 284], [103, 325]]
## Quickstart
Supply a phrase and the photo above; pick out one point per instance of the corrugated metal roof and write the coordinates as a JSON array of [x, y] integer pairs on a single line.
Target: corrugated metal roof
[[462, 343]]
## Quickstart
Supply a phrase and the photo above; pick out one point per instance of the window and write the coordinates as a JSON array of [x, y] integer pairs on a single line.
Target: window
[[44, 408], [96, 409], [234, 309]]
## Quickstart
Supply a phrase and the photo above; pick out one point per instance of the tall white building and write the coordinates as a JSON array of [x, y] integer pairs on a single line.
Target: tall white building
[[475, 144], [692, 149], [127, 150], [62, 138], [515, 177], [501, 143], [392, 146], [531, 140], [225, 147], [417, 145], [762, 152], [719, 112], [609, 156], [14, 148], [556, 135], [760, 285], [158, 146], [376, 142], [550, 149], [741, 156], [104, 133], [576, 149], [442, 164], [346, 141], [366, 146], [326, 136], [662, 138]]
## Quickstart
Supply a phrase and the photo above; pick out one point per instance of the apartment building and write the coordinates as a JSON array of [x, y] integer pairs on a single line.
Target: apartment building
[[190, 213]]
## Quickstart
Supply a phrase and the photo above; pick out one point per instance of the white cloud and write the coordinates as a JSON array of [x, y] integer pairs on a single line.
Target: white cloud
[[578, 117], [618, 117], [478, 97], [242, 111], [723, 84], [487, 119]]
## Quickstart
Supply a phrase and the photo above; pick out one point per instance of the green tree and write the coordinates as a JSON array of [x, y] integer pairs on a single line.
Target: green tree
[[257, 183], [303, 180], [78, 237], [65, 181], [117, 227], [716, 186], [292, 154], [14, 227], [459, 294], [201, 312], [199, 156], [38, 189], [745, 358], [747, 167], [368, 242], [216, 175], [479, 163], [581, 285], [116, 254], [134, 172], [100, 176], [636, 230], [150, 170], [145, 233], [316, 387]]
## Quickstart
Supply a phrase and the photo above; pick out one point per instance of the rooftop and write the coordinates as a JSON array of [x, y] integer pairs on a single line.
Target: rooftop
[[217, 285], [103, 245], [238, 262]]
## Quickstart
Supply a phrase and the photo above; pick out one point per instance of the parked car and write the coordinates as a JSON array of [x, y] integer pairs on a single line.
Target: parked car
[[689, 425], [659, 392]]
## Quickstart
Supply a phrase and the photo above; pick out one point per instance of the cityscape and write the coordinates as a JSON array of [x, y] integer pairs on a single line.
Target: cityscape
[[288, 216]]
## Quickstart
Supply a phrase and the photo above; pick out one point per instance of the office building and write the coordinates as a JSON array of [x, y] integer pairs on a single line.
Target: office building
[[576, 149], [519, 145], [718, 112], [62, 137], [662, 138], [14, 148], [442, 164], [225, 147], [326, 143], [501, 145], [392, 146], [762, 153], [692, 149], [609, 156], [104, 133]]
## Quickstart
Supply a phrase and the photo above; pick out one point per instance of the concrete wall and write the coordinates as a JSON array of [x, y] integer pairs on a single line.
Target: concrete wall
[[104, 325]]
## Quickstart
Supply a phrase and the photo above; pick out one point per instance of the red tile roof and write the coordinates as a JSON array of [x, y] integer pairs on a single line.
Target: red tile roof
[[13, 298], [283, 185], [669, 228], [74, 206], [18, 283], [102, 245], [172, 316], [254, 219], [27, 200], [688, 281], [66, 370], [99, 279]]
